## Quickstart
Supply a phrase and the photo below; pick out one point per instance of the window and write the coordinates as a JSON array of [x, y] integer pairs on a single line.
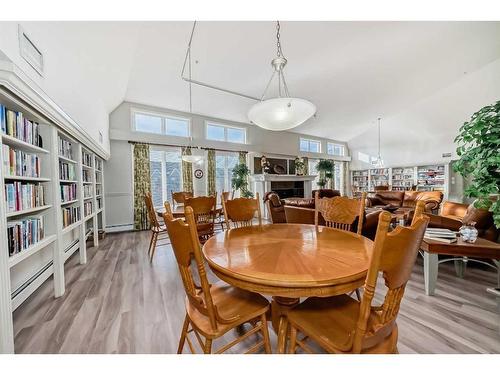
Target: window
[[337, 175], [313, 172], [166, 174], [159, 124], [335, 149], [225, 133], [224, 164], [310, 145]]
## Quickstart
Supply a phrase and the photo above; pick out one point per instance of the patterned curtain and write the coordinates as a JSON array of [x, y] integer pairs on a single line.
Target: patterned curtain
[[345, 180], [142, 185], [187, 172], [242, 157], [306, 165], [211, 173]]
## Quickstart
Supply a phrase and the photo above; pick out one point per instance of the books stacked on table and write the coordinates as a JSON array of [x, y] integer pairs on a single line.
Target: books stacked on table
[[441, 235], [24, 233]]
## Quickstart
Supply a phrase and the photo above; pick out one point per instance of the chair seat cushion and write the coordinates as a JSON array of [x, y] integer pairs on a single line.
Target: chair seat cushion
[[231, 302]]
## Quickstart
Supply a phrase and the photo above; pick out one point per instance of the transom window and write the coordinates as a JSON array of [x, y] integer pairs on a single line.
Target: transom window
[[225, 133], [335, 149], [160, 124], [310, 145]]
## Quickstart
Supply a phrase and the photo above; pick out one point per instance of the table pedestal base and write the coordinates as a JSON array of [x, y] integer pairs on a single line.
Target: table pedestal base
[[279, 309]]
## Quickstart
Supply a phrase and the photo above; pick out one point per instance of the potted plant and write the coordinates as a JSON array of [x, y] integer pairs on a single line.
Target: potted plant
[[325, 169], [239, 180], [478, 145]]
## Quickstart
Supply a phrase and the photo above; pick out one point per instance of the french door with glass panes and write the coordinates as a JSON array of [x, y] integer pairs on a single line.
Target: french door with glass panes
[[166, 174]]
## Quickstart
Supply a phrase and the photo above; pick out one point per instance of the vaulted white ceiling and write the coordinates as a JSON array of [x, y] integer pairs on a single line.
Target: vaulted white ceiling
[[352, 71]]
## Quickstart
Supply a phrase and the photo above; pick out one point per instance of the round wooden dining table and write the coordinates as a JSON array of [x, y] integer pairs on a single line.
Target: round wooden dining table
[[289, 261]]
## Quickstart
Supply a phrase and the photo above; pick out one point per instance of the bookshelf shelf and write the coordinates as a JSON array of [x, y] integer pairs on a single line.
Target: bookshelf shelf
[[87, 182], [89, 217], [68, 160], [68, 181], [26, 253], [21, 145], [69, 202], [28, 211], [88, 198], [28, 179], [70, 227]]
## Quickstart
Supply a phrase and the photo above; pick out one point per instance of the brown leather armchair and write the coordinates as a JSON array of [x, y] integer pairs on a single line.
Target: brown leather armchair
[[275, 207], [453, 215]]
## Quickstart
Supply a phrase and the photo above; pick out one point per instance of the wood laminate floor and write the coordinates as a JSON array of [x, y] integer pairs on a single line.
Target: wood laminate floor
[[120, 303]]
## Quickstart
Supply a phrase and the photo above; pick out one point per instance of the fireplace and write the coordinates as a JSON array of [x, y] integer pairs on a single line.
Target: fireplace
[[288, 189]]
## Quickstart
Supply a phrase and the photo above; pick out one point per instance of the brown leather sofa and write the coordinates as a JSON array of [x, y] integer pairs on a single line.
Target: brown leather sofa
[[301, 211], [406, 200], [453, 215]]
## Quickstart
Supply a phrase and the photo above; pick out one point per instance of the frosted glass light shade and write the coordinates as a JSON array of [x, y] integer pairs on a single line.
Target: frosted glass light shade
[[281, 113]]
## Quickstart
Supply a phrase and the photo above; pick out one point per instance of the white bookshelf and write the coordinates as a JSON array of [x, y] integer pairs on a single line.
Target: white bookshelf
[[22, 273]]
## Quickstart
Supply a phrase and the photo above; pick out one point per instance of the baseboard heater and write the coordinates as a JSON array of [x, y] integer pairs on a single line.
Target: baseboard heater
[[119, 228], [19, 295], [71, 249]]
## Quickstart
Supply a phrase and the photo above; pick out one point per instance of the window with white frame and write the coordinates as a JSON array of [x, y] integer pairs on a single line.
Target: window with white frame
[[160, 124], [166, 174], [337, 174], [310, 145], [225, 133], [224, 164], [335, 149]]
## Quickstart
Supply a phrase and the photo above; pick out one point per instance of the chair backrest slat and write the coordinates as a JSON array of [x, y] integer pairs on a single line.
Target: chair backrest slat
[[340, 212], [393, 255], [240, 212]]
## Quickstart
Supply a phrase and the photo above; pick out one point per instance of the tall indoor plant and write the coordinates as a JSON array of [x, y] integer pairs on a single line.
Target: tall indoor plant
[[325, 168], [239, 180], [478, 148]]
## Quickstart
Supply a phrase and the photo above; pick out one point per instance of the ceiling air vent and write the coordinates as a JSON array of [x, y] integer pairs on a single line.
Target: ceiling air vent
[[30, 52]]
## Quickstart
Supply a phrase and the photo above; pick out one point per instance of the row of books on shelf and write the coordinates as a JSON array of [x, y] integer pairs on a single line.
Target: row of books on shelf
[[86, 175], [98, 189], [86, 159], [87, 209], [99, 203], [67, 171], [70, 215], [20, 163], [98, 165], [24, 233], [22, 196], [16, 125], [68, 192], [87, 191], [65, 148]]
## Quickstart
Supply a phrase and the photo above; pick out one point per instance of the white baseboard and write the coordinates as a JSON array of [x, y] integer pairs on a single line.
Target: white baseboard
[[119, 228]]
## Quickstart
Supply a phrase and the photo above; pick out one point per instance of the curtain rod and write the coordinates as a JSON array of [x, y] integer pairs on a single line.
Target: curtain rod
[[170, 145]]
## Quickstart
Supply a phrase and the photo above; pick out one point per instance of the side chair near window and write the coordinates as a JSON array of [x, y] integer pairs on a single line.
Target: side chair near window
[[156, 228], [212, 310], [220, 219], [204, 215], [341, 324], [341, 212], [179, 197], [240, 212]]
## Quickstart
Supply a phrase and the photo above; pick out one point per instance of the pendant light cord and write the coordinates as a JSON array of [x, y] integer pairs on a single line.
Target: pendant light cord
[[278, 43]]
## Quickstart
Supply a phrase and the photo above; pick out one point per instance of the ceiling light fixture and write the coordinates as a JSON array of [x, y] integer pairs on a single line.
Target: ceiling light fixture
[[191, 158], [283, 112], [379, 162]]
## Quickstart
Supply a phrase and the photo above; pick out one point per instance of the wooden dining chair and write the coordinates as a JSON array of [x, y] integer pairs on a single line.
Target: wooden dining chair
[[212, 310], [240, 212], [419, 211], [342, 324], [168, 208], [204, 215], [179, 197], [157, 229], [340, 212], [223, 197]]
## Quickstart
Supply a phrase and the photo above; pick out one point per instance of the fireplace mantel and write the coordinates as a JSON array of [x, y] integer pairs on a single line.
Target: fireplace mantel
[[262, 184]]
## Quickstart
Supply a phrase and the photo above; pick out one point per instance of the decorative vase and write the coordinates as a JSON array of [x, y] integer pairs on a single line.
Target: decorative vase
[[469, 232]]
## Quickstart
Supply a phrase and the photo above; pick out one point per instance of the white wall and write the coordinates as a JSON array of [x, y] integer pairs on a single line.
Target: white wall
[[421, 133], [118, 170], [86, 67]]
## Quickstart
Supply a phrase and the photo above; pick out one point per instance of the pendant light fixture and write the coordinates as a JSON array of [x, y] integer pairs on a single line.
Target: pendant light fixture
[[283, 112], [379, 162], [191, 158]]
